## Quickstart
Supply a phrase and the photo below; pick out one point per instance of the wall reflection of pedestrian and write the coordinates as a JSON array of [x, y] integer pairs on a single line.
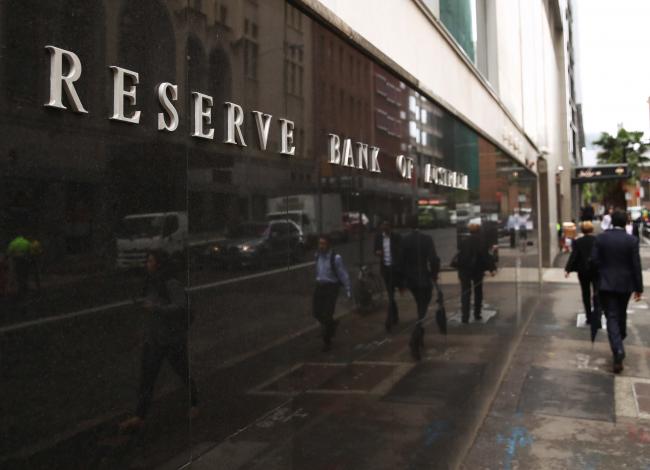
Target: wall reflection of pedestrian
[[513, 224], [166, 331], [616, 257], [580, 262], [330, 276], [387, 248], [420, 266], [474, 260]]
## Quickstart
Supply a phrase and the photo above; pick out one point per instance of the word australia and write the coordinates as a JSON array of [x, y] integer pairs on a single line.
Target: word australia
[[124, 93]]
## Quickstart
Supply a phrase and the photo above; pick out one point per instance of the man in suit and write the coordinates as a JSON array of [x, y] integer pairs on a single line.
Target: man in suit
[[474, 260], [580, 262], [387, 248], [615, 255], [420, 266]]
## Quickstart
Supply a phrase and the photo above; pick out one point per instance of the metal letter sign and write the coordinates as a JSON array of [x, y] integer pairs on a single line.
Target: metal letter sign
[[58, 80], [359, 155]]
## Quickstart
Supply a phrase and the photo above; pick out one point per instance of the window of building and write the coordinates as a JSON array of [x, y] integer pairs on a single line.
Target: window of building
[[472, 23]]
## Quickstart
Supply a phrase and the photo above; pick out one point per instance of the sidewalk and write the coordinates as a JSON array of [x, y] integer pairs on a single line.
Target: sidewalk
[[559, 405]]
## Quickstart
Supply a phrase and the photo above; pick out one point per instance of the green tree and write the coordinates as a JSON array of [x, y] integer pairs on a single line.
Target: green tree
[[624, 147]]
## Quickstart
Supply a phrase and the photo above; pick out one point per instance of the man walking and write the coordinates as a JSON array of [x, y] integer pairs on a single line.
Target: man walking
[[580, 262], [387, 246], [420, 265], [473, 260], [330, 276], [615, 255]]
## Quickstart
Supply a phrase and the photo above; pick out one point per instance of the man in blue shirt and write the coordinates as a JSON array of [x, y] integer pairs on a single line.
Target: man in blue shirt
[[330, 275]]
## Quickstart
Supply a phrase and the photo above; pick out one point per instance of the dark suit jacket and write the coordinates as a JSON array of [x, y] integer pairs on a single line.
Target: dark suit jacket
[[395, 252], [580, 259], [419, 261], [615, 255], [473, 257]]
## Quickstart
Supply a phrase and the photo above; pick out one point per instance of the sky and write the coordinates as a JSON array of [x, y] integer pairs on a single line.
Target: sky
[[613, 53]]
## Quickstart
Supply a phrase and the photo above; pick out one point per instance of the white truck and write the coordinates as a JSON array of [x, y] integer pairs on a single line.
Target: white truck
[[164, 231], [304, 209]]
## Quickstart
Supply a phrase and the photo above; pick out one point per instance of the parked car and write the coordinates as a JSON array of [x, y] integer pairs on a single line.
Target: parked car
[[258, 244]]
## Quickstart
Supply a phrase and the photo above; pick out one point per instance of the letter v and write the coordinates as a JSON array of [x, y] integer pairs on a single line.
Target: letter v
[[263, 123]]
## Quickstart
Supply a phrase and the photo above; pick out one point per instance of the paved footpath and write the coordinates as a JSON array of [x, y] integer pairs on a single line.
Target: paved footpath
[[560, 406]]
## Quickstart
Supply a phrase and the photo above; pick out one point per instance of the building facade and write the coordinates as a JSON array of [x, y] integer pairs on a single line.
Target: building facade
[[230, 134]]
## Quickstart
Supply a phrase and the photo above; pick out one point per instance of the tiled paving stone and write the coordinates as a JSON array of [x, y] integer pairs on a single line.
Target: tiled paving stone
[[642, 394], [575, 394], [448, 384]]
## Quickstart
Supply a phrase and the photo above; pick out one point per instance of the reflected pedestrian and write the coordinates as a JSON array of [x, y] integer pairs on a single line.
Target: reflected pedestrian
[[616, 257], [330, 276], [166, 330], [580, 262], [474, 260], [420, 266], [387, 248], [513, 225]]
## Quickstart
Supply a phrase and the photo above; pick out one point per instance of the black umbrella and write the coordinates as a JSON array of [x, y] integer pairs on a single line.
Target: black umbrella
[[441, 314], [595, 324]]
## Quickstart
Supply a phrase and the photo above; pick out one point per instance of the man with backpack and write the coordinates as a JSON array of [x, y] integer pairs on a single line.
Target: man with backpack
[[330, 276]]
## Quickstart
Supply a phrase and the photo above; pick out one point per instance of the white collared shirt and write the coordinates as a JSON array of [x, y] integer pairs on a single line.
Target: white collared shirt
[[388, 259]]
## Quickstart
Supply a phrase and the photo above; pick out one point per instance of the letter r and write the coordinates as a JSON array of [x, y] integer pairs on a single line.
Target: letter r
[[58, 81]]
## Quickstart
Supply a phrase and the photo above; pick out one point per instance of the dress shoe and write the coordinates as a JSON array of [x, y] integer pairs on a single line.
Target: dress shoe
[[327, 346], [618, 362], [478, 317], [465, 320]]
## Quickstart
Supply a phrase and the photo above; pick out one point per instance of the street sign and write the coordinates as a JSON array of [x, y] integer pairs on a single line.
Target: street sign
[[587, 174]]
